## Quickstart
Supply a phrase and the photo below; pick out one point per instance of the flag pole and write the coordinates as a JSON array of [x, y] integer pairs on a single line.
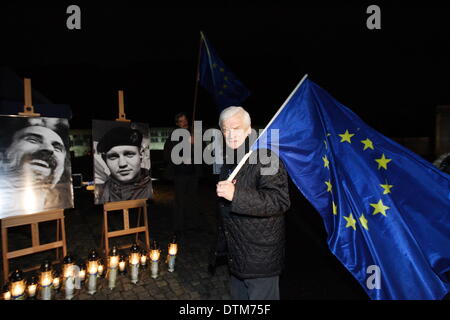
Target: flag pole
[[197, 79], [241, 163]]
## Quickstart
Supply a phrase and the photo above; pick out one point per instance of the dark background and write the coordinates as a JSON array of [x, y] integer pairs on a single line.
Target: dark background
[[392, 78]]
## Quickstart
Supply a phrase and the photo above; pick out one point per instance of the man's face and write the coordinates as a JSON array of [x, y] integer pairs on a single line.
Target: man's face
[[124, 162], [37, 152], [182, 122], [235, 130]]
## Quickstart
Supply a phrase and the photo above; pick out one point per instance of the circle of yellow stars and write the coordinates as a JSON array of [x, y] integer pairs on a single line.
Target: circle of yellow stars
[[382, 162]]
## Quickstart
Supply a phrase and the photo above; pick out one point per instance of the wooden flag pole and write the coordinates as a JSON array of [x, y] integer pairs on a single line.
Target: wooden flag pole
[[122, 116], [28, 109], [197, 80], [241, 163]]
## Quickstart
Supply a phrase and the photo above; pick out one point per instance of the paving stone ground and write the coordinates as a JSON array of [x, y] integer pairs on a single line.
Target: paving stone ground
[[190, 281]]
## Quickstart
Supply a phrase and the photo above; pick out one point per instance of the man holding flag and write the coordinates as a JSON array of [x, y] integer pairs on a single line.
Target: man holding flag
[[252, 208], [385, 209]]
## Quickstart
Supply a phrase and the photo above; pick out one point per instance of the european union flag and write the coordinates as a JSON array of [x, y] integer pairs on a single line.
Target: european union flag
[[221, 83], [385, 209]]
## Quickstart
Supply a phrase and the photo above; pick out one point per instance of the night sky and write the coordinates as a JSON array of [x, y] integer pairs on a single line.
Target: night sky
[[393, 78]]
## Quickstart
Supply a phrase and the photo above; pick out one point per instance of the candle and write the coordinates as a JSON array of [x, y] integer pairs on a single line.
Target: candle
[[154, 257], [82, 273], [6, 293], [56, 283], [93, 260], [17, 285], [46, 280], [68, 265], [113, 264], [122, 265], [173, 250], [31, 291], [100, 270], [69, 284], [143, 259], [134, 263]]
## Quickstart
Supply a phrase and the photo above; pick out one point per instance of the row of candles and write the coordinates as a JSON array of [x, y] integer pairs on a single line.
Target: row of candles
[[74, 276]]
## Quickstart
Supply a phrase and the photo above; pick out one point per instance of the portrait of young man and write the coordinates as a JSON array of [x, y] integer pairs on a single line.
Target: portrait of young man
[[35, 172], [121, 161]]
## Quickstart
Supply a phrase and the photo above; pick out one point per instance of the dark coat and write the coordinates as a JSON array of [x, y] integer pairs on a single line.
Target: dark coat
[[253, 222], [173, 170]]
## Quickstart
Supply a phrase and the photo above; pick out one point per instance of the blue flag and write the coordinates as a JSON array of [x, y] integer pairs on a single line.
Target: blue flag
[[385, 209], [220, 82]]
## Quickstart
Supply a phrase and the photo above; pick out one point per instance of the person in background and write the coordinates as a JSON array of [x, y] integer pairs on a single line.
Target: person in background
[[185, 176]]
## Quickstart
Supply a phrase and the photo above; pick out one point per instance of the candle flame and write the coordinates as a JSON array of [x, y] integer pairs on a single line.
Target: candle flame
[[56, 282], [17, 288], [173, 249], [134, 259], [113, 262], [154, 255]]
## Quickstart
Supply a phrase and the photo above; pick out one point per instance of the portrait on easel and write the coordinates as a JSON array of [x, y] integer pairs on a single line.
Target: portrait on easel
[[121, 161], [35, 172]]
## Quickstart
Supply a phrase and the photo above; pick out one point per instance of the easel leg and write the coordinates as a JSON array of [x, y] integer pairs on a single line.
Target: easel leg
[[105, 238], [147, 235], [4, 251], [63, 235], [138, 223], [57, 237]]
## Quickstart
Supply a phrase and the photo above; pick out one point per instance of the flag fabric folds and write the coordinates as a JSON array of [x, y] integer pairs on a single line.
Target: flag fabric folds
[[385, 209], [218, 80]]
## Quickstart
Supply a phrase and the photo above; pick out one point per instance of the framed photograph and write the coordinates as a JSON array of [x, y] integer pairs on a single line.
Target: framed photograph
[[121, 161], [35, 171]]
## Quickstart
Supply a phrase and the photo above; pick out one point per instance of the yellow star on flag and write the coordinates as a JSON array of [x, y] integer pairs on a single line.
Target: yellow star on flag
[[379, 208], [387, 188], [346, 136], [326, 163], [324, 141], [367, 144], [225, 86], [351, 222], [364, 222], [334, 208], [225, 78], [328, 183], [214, 65], [382, 162], [222, 69]]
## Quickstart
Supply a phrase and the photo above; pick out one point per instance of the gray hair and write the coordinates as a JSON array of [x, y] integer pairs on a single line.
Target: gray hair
[[231, 111]]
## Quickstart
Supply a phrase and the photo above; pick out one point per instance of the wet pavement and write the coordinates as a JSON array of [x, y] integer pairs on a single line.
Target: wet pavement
[[190, 280]]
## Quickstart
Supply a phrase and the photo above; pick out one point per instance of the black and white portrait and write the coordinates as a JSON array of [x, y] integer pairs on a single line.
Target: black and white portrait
[[35, 173], [121, 161]]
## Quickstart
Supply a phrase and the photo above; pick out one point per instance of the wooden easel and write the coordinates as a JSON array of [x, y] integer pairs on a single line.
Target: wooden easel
[[32, 219], [125, 206]]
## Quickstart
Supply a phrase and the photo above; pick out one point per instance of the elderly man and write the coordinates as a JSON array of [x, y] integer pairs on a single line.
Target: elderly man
[[121, 150], [33, 166], [252, 208]]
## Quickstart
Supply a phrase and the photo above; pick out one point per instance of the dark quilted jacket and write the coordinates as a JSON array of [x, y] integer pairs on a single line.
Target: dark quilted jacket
[[253, 222]]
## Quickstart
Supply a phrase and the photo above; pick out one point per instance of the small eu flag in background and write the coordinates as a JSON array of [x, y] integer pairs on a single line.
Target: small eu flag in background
[[386, 210], [221, 83]]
